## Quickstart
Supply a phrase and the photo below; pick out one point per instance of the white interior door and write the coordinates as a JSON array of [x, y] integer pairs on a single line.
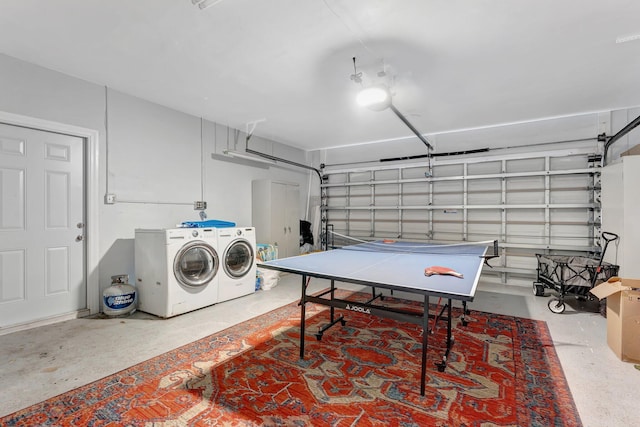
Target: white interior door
[[42, 247]]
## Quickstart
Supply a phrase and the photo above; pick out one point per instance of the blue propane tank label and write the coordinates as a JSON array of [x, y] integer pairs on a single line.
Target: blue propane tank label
[[117, 302]]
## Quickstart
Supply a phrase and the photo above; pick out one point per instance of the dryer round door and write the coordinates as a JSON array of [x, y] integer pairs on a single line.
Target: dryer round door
[[238, 259], [196, 264]]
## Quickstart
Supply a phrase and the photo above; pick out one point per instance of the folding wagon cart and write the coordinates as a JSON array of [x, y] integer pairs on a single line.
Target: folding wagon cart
[[572, 275]]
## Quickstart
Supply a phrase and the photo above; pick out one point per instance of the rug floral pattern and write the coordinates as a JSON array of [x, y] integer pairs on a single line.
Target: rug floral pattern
[[501, 371]]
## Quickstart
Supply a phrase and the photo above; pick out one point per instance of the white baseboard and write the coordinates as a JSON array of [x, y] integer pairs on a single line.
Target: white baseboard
[[42, 322]]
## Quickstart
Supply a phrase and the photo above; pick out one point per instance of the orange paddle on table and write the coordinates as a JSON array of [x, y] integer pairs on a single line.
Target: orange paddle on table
[[445, 271]]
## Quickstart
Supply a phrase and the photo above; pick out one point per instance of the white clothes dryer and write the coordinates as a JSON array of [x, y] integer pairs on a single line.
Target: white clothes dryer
[[238, 262], [176, 270]]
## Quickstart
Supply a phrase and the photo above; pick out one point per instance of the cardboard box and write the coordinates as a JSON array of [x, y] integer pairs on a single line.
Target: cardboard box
[[633, 151], [623, 316]]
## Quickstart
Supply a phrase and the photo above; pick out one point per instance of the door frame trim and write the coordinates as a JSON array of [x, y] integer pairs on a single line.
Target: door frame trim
[[91, 195]]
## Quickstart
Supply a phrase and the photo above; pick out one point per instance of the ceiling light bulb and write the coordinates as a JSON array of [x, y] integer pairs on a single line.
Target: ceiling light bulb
[[375, 98]]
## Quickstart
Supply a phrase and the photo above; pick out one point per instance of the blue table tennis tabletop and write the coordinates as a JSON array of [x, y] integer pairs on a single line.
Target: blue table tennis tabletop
[[397, 265], [391, 265]]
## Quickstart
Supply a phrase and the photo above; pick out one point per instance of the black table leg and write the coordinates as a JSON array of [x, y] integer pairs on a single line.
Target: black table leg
[[465, 311], [449, 326], [442, 365], [333, 320], [333, 293], [425, 335], [303, 302]]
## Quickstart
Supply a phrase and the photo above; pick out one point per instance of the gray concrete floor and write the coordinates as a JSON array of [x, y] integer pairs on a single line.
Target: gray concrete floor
[[43, 362]]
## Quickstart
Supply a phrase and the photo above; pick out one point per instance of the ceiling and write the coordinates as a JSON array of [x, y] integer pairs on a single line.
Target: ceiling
[[286, 65]]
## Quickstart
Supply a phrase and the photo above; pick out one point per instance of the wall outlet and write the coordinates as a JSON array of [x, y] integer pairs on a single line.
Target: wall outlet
[[199, 205], [109, 198]]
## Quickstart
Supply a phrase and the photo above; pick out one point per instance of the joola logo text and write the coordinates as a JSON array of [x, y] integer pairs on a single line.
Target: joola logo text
[[358, 308]]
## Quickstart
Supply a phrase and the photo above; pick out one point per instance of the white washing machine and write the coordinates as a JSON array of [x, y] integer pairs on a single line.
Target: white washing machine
[[177, 270], [238, 262]]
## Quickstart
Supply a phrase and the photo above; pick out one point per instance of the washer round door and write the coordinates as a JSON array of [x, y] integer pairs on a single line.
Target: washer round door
[[238, 259], [196, 264]]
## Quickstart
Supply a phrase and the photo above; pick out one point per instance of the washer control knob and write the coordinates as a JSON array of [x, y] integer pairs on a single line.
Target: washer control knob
[[194, 233]]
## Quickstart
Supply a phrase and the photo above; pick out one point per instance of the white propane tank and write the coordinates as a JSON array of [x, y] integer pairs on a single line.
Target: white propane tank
[[120, 298]]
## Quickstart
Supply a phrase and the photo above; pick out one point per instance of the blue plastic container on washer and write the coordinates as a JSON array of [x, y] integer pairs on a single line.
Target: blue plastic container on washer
[[213, 223]]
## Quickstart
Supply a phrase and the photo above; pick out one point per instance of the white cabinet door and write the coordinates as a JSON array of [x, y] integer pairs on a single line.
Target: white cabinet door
[[276, 215], [278, 219], [41, 225]]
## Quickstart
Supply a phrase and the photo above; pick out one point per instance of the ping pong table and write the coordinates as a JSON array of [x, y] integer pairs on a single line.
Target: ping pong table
[[396, 266]]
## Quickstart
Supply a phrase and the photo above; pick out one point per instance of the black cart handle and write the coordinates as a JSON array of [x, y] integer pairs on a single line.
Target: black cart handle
[[609, 237]]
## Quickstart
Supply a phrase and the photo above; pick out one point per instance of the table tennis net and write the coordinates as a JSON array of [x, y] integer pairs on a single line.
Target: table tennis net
[[344, 242]]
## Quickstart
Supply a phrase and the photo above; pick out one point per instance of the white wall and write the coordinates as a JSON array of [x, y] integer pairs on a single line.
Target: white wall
[[156, 161]]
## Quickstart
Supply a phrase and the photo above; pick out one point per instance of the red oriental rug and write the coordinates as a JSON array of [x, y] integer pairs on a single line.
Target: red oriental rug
[[502, 371]]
